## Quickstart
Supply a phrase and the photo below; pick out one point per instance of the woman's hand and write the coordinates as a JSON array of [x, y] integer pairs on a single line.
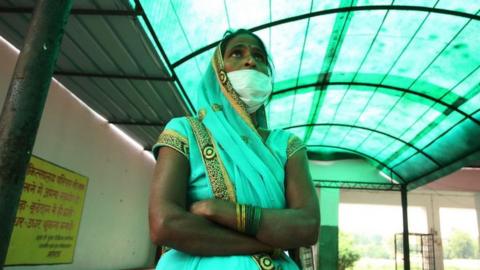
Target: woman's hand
[[215, 210], [204, 208], [301, 218]]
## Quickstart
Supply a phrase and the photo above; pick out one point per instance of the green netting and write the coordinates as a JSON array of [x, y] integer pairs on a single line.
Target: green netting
[[431, 38], [391, 81], [378, 105], [392, 38], [454, 63], [360, 35], [477, 115], [464, 137], [300, 132], [418, 165], [352, 105], [468, 6], [316, 42], [379, 152], [376, 142], [289, 39], [472, 104], [258, 13], [403, 115], [279, 110], [357, 137], [442, 126], [423, 124]]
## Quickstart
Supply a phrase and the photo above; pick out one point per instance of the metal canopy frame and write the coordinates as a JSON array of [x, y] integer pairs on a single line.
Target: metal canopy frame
[[345, 184], [382, 86], [372, 130]]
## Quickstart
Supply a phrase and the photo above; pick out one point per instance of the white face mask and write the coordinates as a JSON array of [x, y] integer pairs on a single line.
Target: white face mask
[[253, 87]]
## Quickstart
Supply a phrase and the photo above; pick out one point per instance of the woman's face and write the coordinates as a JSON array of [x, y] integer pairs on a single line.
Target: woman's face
[[244, 52]]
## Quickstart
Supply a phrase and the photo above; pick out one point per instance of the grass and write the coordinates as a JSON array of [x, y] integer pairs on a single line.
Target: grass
[[385, 264], [374, 264], [461, 264]]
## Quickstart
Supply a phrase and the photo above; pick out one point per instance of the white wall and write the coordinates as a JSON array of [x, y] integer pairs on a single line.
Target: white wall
[[347, 169], [113, 231]]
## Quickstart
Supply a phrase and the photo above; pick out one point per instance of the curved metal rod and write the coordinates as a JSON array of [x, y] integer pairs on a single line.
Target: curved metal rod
[[333, 11], [439, 101], [371, 130], [356, 185]]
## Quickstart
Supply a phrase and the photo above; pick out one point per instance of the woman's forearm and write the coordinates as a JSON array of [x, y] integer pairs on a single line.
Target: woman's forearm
[[196, 235], [288, 228], [281, 228]]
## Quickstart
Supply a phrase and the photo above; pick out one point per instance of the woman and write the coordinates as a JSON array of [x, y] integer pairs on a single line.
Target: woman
[[227, 193]]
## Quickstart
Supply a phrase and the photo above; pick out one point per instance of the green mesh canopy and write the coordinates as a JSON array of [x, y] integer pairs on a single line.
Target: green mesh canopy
[[394, 82]]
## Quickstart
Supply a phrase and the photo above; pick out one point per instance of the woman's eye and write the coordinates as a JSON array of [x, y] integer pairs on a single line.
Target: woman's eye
[[260, 57], [236, 54]]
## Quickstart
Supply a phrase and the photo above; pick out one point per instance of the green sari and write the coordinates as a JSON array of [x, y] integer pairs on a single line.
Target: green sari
[[244, 169]]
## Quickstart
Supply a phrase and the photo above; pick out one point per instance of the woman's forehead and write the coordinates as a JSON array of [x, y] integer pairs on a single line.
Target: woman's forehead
[[243, 40]]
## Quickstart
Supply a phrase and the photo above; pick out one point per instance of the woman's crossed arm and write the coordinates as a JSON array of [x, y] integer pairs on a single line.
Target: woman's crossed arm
[[173, 225], [293, 227]]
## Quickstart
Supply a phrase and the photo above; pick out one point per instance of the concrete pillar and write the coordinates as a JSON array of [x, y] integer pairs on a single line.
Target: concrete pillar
[[433, 219], [477, 209]]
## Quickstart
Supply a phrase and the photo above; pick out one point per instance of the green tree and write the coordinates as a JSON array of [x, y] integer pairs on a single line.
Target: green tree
[[460, 245], [347, 255], [373, 246]]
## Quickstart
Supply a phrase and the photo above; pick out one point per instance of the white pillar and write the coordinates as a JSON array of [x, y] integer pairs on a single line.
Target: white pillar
[[433, 219], [477, 209]]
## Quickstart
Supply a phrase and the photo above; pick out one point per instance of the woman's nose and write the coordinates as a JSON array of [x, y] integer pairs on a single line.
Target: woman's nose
[[250, 61]]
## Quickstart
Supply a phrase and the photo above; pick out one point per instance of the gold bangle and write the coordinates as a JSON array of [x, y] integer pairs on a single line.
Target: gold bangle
[[243, 218], [239, 218]]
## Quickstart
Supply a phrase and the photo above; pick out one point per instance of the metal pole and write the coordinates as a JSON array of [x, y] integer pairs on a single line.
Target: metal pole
[[24, 105], [406, 244]]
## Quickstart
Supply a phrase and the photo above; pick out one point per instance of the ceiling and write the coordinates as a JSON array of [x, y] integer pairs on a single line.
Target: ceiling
[[464, 180], [394, 82]]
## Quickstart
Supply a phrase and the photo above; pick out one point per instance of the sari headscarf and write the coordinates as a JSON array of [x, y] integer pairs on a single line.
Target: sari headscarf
[[225, 116]]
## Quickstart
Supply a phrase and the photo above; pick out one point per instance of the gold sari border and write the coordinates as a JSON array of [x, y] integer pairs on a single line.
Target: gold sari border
[[222, 187], [294, 145], [174, 140], [228, 91], [264, 261]]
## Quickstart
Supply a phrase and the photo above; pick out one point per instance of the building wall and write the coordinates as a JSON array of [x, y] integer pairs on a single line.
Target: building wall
[[113, 231]]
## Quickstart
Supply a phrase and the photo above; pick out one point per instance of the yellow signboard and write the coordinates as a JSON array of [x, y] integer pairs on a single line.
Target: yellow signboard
[[48, 215]]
